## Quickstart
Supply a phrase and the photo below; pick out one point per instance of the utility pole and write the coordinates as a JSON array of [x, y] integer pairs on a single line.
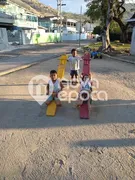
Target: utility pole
[[60, 20], [58, 15], [80, 26], [59, 9]]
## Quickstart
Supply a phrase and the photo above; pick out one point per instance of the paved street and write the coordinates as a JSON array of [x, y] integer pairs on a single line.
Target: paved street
[[19, 57], [36, 147], [33, 53]]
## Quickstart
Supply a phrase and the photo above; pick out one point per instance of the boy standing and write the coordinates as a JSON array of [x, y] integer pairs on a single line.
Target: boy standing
[[74, 61]]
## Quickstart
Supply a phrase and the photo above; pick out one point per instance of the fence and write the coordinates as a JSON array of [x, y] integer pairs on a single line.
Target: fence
[[75, 36]]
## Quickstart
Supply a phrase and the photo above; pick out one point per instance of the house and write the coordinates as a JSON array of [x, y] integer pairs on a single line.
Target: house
[[21, 23], [6, 21], [69, 25], [86, 26], [132, 23], [49, 22], [53, 24]]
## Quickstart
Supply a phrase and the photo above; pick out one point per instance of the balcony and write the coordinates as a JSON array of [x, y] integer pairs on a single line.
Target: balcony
[[6, 19], [26, 21]]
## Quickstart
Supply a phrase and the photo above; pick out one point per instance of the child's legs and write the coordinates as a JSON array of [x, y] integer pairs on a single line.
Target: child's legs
[[49, 100], [79, 102], [72, 74], [76, 74], [57, 100]]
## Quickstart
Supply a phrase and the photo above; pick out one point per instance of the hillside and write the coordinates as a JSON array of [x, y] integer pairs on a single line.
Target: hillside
[[42, 10], [75, 16]]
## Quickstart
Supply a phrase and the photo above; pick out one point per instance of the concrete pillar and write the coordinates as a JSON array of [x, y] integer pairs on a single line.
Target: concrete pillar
[[3, 39], [22, 36]]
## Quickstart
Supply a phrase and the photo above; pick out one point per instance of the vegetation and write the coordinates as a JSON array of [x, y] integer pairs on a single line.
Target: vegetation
[[116, 45], [108, 11]]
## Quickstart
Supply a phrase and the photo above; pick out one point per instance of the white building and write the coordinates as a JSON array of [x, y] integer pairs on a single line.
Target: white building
[[69, 26], [86, 27], [132, 22]]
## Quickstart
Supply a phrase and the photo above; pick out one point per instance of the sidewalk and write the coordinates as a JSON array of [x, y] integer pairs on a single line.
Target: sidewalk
[[18, 59], [121, 57]]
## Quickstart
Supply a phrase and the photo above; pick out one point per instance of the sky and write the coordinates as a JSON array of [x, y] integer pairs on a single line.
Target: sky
[[71, 5]]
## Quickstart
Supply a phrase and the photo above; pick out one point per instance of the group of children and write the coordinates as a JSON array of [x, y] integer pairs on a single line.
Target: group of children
[[96, 54], [55, 86]]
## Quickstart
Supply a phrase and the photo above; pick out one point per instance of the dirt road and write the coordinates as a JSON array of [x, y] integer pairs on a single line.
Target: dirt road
[[35, 147]]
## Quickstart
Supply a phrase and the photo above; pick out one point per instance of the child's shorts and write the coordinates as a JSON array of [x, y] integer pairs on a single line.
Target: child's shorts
[[51, 98], [74, 73]]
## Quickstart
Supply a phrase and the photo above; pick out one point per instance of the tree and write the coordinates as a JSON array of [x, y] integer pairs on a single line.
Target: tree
[[97, 30], [118, 11], [108, 19], [102, 9]]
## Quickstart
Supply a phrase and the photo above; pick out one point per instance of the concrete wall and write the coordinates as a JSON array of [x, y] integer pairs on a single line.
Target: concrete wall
[[3, 39], [39, 36], [132, 50], [45, 38], [74, 36]]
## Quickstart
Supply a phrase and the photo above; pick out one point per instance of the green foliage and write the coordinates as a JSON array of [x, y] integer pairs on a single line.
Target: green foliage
[[115, 28], [97, 30], [97, 10], [117, 46]]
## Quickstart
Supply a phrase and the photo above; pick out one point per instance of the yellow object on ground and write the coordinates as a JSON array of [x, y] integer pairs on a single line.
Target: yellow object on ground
[[61, 71], [63, 59], [51, 109], [62, 66]]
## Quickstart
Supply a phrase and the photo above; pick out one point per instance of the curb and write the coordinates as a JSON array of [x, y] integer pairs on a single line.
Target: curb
[[23, 47], [118, 59], [25, 66]]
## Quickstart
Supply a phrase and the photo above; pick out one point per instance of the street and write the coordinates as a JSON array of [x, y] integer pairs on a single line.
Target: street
[[64, 147]]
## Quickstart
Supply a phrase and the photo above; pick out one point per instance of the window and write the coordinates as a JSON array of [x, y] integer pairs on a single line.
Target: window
[[68, 23]]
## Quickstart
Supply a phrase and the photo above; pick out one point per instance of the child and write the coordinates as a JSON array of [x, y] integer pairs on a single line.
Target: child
[[74, 61], [94, 54], [53, 88], [86, 87]]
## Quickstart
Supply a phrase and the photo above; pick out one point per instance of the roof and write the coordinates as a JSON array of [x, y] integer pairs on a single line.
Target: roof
[[41, 27], [71, 20], [132, 19]]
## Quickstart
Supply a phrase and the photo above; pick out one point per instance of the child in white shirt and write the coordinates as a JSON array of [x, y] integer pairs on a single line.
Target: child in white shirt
[[85, 90], [74, 61]]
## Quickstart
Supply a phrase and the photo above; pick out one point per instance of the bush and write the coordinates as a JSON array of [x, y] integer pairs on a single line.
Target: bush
[[97, 30], [115, 36]]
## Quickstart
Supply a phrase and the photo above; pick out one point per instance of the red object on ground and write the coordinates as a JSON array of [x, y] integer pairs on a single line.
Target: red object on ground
[[86, 64], [84, 111], [84, 108]]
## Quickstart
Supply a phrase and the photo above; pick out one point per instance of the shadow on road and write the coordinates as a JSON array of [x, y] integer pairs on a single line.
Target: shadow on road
[[17, 113], [106, 143]]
